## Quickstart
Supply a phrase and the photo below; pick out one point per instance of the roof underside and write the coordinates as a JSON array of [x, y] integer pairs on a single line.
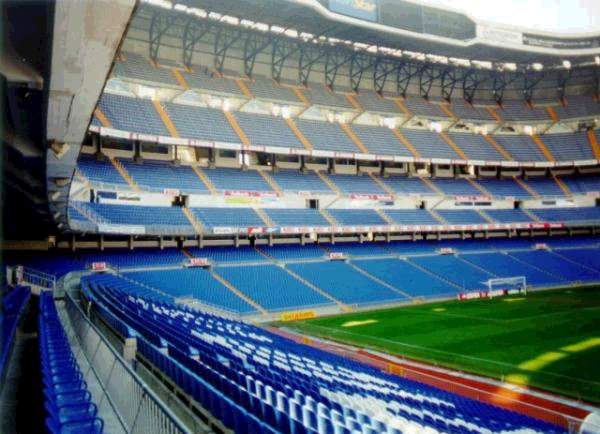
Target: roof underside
[[304, 18]]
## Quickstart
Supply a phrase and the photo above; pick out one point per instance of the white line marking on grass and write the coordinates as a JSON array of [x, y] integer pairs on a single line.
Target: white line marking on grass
[[448, 353]]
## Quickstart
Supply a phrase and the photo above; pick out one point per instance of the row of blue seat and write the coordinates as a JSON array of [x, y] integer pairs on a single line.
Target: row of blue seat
[[256, 381], [15, 301], [159, 175], [68, 402]]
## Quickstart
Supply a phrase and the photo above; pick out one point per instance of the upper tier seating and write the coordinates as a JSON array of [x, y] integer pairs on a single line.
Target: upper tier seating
[[320, 95], [68, 402], [136, 115], [165, 217], [296, 217], [461, 217], [265, 130], [476, 147], [201, 123], [256, 381], [451, 268], [265, 88], [421, 107], [578, 107], [521, 148], [192, 282], [204, 79], [544, 186], [430, 144], [99, 171], [569, 146], [518, 111], [294, 181], [326, 136], [157, 176], [228, 217], [582, 184], [406, 185], [138, 67], [345, 283], [372, 102], [503, 187], [508, 215], [272, 287], [141, 258], [463, 110], [581, 214], [406, 277], [241, 180], [379, 140], [412, 216], [352, 217], [456, 187], [363, 184]]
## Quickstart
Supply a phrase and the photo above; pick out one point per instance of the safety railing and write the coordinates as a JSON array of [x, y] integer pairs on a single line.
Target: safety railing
[[137, 408]]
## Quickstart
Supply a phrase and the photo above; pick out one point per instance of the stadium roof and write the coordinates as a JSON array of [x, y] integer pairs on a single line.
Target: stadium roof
[[408, 26]]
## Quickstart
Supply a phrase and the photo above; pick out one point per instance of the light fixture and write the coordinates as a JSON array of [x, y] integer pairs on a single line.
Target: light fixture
[[566, 64]]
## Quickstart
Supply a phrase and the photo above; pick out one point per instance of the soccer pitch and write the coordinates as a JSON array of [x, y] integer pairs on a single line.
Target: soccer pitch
[[548, 339]]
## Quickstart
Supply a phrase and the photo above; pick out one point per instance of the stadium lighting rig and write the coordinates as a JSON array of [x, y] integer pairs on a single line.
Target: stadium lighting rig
[[356, 46]]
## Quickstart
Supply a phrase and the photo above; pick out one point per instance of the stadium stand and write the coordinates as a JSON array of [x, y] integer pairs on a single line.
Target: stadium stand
[[322, 390], [69, 403], [15, 303]]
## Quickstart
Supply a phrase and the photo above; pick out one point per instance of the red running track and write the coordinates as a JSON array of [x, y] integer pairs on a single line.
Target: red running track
[[522, 400]]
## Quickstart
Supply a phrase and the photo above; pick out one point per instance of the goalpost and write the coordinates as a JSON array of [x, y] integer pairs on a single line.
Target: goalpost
[[507, 285]]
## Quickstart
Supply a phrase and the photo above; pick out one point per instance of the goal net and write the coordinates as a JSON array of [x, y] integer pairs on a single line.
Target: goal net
[[507, 285]]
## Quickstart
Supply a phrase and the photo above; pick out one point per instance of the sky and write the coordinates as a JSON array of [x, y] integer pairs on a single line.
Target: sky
[[565, 16]]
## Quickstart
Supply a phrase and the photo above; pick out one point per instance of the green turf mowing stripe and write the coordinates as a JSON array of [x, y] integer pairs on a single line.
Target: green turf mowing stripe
[[546, 339]]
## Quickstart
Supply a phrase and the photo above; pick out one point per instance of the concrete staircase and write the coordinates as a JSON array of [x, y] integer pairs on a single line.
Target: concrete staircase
[[236, 127], [239, 293], [124, 174], [317, 289], [198, 227], [352, 135], [305, 142], [164, 116], [269, 180], [205, 180], [542, 146], [453, 145]]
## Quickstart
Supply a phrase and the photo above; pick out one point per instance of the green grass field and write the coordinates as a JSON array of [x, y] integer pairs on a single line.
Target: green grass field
[[549, 340]]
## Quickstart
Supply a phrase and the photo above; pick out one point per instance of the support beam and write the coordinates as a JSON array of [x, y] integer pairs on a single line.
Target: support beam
[[542, 146], [352, 135], [164, 116], [498, 148], [102, 118], [328, 181], [236, 127], [594, 143], [406, 143], [205, 179], [453, 145], [552, 113], [305, 142], [180, 78]]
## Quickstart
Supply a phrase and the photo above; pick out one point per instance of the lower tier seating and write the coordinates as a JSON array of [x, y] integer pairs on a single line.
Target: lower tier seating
[[68, 403], [256, 381], [345, 283]]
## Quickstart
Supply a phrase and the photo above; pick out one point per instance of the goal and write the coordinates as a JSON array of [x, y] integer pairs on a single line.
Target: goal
[[507, 285]]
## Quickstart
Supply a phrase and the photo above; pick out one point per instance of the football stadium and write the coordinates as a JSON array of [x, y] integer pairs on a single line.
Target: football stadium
[[300, 217]]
